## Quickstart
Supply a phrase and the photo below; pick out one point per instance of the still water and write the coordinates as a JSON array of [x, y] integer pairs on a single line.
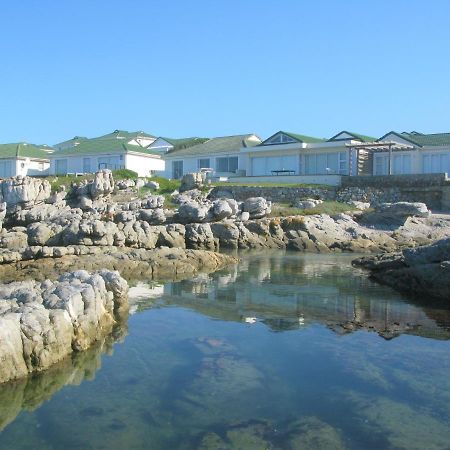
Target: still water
[[283, 351]]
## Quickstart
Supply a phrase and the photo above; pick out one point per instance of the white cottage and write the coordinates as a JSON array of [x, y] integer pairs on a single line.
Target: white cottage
[[425, 153], [287, 153], [94, 154], [24, 159], [221, 154]]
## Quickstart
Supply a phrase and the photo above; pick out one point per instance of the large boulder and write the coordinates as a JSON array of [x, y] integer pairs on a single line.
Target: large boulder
[[152, 216], [102, 185], [222, 209], [24, 191], [193, 212], [195, 180], [257, 207], [42, 323], [395, 214]]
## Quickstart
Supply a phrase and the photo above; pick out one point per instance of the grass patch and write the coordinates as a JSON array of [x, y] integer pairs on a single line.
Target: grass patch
[[166, 186], [124, 174], [328, 207], [67, 180]]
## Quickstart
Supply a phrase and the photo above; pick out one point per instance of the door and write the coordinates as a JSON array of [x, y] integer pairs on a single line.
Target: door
[[258, 166], [177, 169], [86, 165], [61, 167]]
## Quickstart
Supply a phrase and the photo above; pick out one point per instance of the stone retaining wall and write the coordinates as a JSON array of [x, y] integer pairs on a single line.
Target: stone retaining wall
[[432, 195]]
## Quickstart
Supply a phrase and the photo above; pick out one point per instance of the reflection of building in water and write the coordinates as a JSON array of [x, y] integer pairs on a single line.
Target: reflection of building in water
[[289, 292]]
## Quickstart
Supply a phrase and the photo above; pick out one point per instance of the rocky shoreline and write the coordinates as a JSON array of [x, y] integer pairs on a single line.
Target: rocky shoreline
[[91, 228], [422, 272]]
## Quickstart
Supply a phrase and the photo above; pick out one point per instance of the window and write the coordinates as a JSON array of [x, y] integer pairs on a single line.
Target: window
[[86, 165], [6, 169], [203, 163], [177, 169], [228, 164], [110, 162], [436, 163], [61, 167], [401, 164], [281, 138], [326, 163]]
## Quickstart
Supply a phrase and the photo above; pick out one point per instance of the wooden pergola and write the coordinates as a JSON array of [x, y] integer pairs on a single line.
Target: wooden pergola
[[375, 146]]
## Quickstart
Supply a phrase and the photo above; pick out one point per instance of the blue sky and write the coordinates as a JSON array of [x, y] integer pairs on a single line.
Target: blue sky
[[220, 67]]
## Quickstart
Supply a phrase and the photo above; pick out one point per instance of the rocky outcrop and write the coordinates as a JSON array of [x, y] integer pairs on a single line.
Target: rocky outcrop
[[23, 192], [395, 214], [194, 180], [41, 263], [423, 271], [43, 322]]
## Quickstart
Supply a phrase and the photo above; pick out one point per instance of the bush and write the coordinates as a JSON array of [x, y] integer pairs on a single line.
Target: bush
[[166, 186], [124, 174]]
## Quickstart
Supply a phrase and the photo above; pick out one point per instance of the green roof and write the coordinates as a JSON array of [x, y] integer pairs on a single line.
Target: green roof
[[357, 136], [298, 137], [303, 138], [126, 135], [435, 139], [178, 144], [73, 141], [97, 146], [218, 145], [23, 150]]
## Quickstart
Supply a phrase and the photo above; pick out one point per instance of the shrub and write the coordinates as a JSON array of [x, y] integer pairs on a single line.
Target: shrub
[[124, 174]]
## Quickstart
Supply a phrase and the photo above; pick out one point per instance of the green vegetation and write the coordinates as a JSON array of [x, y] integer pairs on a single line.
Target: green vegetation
[[67, 180], [327, 207], [124, 174], [166, 186]]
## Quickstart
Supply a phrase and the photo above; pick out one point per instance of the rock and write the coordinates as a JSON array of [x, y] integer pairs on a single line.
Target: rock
[[41, 234], [152, 216], [58, 198], [139, 183], [423, 271], [244, 216], [194, 180], [24, 191], [85, 203], [200, 236], [152, 185], [125, 184], [395, 214], [42, 323], [2, 213], [222, 209], [152, 202], [257, 207], [192, 212], [102, 185], [305, 204], [359, 205]]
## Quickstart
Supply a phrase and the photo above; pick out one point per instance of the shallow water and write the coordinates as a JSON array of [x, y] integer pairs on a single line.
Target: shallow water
[[283, 351]]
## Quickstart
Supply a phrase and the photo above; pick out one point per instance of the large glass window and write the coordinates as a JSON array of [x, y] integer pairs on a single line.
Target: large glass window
[[111, 162], [227, 164], [326, 163], [436, 163], [6, 169], [203, 163], [177, 169]]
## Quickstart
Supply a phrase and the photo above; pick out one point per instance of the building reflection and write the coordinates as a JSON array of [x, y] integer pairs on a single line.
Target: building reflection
[[288, 292]]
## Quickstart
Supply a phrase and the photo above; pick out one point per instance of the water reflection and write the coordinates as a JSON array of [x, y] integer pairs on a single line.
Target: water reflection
[[31, 392], [293, 291], [261, 355]]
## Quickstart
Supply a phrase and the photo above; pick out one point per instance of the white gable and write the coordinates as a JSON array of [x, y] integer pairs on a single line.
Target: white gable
[[396, 138], [280, 138], [343, 135], [161, 144]]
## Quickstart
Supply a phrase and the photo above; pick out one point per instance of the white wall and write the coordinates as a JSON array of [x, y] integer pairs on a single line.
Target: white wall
[[31, 167], [413, 161], [141, 164], [144, 165]]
